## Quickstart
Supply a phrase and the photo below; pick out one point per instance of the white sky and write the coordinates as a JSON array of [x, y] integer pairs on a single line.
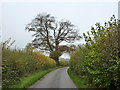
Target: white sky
[[84, 14], [59, 0], [15, 16]]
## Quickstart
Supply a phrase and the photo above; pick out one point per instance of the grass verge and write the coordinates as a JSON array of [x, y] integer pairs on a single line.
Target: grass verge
[[32, 78], [80, 83]]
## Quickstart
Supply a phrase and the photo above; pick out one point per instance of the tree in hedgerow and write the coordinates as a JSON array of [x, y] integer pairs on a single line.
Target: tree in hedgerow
[[50, 33]]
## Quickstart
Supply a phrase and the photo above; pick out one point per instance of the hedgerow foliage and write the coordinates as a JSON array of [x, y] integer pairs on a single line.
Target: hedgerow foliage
[[20, 63], [63, 63], [43, 60], [97, 60]]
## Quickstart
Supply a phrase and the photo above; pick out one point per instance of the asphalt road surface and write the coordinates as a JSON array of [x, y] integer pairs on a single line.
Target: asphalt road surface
[[55, 79]]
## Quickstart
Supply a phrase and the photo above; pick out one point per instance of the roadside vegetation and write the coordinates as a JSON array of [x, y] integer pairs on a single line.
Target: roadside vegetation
[[97, 61], [48, 34], [63, 63], [95, 64], [22, 63], [27, 81], [80, 82]]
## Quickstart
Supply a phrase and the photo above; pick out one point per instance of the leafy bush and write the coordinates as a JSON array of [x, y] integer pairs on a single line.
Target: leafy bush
[[63, 63], [20, 63], [43, 60], [98, 59], [15, 64], [55, 55]]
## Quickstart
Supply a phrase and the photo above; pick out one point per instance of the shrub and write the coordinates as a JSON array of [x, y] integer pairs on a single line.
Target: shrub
[[20, 63], [63, 63], [16, 64], [43, 60], [98, 59]]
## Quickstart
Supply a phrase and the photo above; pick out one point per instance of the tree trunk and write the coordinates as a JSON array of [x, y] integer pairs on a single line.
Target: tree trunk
[[55, 55], [57, 61]]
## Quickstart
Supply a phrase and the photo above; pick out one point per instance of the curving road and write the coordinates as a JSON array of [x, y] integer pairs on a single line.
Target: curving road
[[55, 79]]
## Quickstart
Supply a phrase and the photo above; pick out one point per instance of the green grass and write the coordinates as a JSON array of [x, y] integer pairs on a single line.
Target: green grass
[[80, 83], [32, 78]]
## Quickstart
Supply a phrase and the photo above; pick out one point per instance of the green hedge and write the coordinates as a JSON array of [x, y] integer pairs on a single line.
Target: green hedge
[[98, 59], [27, 81], [20, 63]]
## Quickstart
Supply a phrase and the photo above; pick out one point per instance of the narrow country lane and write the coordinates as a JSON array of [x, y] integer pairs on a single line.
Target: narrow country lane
[[55, 79]]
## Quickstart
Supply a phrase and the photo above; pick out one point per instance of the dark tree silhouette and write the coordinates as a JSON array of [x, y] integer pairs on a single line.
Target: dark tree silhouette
[[49, 33]]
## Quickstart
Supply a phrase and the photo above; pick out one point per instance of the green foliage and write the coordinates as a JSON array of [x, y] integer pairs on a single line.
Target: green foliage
[[15, 64], [55, 55], [63, 63], [43, 60], [32, 78], [80, 82], [20, 63], [98, 59]]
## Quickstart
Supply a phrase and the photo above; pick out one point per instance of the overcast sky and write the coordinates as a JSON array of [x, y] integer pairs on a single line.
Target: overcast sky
[[15, 16]]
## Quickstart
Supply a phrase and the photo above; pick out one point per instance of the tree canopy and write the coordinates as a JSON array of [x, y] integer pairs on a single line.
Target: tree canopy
[[49, 33]]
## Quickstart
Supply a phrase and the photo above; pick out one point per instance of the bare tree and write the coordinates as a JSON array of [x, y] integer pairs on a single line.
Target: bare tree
[[49, 33]]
